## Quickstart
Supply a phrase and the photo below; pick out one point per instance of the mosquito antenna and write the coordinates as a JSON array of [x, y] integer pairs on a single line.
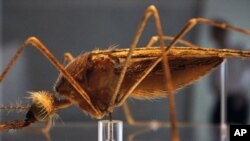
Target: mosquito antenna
[[18, 108]]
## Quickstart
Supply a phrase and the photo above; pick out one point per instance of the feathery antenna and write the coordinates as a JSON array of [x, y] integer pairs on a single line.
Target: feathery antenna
[[18, 108]]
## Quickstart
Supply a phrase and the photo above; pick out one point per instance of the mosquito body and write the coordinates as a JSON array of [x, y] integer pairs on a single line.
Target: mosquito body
[[98, 72], [101, 80]]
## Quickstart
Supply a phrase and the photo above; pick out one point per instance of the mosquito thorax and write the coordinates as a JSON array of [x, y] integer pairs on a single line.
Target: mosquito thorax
[[97, 75]]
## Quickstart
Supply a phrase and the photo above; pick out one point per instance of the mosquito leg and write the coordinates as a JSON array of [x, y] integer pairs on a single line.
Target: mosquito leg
[[187, 28], [155, 39], [195, 21], [48, 126], [37, 44], [128, 114], [59, 104], [68, 57], [151, 10]]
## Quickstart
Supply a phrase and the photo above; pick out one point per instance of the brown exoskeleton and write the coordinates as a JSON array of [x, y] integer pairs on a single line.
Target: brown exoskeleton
[[101, 80]]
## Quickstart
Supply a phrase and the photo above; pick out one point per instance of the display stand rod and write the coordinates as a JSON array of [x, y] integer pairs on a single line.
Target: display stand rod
[[223, 125]]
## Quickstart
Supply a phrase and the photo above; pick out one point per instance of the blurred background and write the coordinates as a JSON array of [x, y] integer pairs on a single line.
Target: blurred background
[[80, 26]]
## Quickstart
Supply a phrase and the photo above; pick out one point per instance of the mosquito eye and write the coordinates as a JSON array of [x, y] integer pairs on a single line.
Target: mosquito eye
[[30, 115]]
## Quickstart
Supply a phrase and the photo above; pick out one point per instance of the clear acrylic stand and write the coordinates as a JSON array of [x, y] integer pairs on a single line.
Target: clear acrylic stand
[[223, 94], [110, 130]]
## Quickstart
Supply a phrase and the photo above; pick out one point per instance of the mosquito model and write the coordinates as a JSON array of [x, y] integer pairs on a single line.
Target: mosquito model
[[101, 80]]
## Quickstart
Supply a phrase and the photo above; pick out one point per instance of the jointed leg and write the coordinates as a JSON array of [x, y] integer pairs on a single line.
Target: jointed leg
[[150, 11], [48, 126], [63, 103], [36, 43], [60, 104], [68, 57], [155, 39], [187, 28], [193, 22], [128, 114]]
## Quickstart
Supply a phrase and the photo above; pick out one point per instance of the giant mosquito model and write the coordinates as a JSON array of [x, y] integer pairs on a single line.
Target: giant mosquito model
[[102, 80]]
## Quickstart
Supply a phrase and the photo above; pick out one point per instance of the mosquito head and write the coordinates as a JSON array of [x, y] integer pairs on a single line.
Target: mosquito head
[[42, 107]]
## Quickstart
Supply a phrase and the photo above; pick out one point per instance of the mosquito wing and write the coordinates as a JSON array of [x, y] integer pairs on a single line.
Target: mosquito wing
[[187, 65]]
